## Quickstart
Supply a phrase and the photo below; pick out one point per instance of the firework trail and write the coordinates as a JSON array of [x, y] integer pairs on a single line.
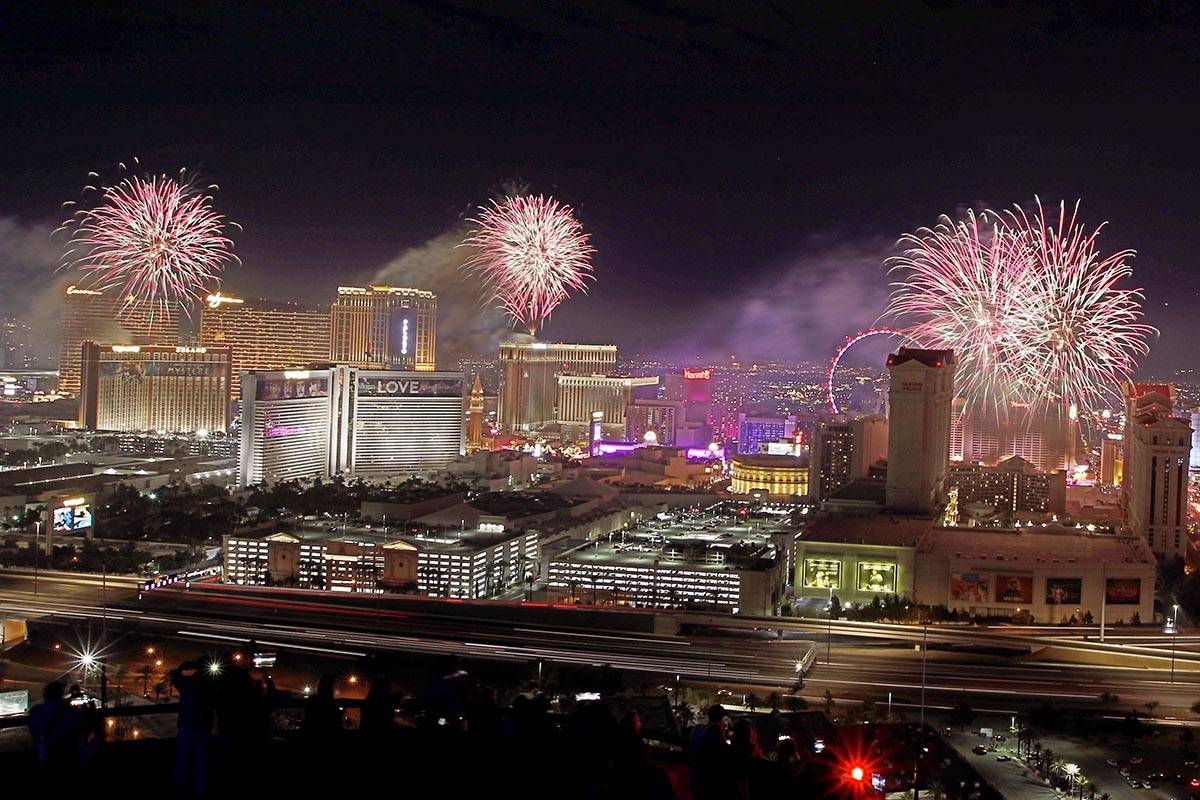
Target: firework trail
[[153, 239], [1030, 307], [1081, 334], [531, 253]]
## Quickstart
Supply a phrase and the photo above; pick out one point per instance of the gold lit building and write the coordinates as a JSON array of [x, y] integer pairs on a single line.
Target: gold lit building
[[384, 327], [529, 372], [265, 335], [107, 319], [169, 389], [778, 476]]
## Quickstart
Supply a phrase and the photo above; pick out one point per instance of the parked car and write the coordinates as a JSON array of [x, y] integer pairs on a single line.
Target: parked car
[[979, 750], [1003, 758]]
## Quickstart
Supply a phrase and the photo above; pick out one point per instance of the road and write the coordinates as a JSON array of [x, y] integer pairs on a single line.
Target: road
[[999, 671]]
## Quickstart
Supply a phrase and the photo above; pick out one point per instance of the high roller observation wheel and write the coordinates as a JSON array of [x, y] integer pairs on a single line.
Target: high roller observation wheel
[[846, 345]]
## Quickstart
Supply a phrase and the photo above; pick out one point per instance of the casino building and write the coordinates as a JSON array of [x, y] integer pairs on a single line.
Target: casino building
[[339, 420], [154, 388]]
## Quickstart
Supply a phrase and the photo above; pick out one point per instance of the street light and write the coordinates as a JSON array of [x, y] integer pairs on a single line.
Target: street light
[[1174, 636]]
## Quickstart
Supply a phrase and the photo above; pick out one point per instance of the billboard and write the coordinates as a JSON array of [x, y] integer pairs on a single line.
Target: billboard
[[822, 573], [402, 338], [1014, 589], [970, 587], [291, 388], [1123, 591], [72, 515], [409, 386], [877, 576], [1064, 591]]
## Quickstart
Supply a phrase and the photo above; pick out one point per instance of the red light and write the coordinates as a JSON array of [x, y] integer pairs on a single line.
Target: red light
[[857, 773]]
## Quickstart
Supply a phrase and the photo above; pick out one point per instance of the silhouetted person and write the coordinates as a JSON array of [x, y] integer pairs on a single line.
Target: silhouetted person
[[633, 777], [787, 769], [378, 713], [194, 728], [712, 767], [57, 731], [241, 730], [322, 715], [751, 771]]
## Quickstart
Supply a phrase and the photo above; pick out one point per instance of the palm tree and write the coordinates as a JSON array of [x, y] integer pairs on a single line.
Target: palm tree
[[144, 672], [773, 701], [937, 790], [753, 701], [829, 703], [1150, 706]]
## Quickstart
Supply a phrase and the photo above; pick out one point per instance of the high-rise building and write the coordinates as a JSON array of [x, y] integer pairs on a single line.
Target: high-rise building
[[346, 421], [754, 431], [475, 417], [384, 327], [731, 393], [1047, 438], [1012, 485], [920, 399], [694, 388], [579, 396], [663, 418], [832, 457], [108, 319], [1112, 458], [22, 348], [265, 335], [1157, 452], [153, 388], [870, 444], [1194, 459], [529, 373]]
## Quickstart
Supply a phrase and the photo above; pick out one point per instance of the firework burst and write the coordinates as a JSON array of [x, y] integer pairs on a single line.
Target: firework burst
[[531, 253], [153, 239], [1029, 305]]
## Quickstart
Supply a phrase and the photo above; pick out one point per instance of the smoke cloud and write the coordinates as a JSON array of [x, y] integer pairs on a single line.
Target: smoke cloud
[[804, 309], [465, 325], [33, 287]]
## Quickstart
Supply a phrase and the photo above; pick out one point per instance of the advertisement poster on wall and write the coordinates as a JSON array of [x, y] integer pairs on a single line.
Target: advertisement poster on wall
[[822, 573], [1014, 589], [970, 587], [876, 576], [1064, 591], [1123, 591]]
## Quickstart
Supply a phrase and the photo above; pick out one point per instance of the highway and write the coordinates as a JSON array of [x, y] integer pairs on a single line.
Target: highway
[[997, 670]]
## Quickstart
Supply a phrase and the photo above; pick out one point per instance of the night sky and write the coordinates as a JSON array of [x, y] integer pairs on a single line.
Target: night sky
[[743, 168]]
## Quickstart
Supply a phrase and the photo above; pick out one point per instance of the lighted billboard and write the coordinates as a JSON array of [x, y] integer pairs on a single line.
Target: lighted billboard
[[1064, 591], [970, 587], [72, 515], [409, 386], [291, 388], [822, 573], [877, 576], [1014, 589], [1123, 591]]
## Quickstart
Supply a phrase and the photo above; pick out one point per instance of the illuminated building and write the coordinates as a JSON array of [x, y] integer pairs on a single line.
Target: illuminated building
[[152, 388], [920, 397], [1048, 439], [693, 387], [870, 435], [775, 476], [529, 373], [1112, 457], [730, 395], [346, 421], [661, 565], [1051, 571], [1155, 480], [384, 327], [107, 319], [475, 417], [660, 417], [474, 563], [754, 432], [1194, 458], [21, 347], [1012, 485], [832, 457], [265, 335], [580, 396], [397, 423]]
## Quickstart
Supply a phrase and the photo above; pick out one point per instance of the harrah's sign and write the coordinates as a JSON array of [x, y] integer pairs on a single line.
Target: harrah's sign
[[697, 374]]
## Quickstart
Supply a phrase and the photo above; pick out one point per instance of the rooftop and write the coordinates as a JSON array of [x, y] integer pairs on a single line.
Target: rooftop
[[877, 529], [1051, 544], [930, 358]]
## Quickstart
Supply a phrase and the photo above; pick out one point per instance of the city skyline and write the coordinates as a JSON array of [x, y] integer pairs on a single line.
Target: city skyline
[[735, 218]]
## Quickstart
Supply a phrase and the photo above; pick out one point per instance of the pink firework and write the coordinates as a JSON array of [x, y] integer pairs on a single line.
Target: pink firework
[[154, 240], [532, 253], [961, 287]]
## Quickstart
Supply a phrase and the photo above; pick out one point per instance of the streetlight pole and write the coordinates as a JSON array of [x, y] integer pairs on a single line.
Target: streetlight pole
[[37, 535], [829, 631], [924, 654], [1174, 636]]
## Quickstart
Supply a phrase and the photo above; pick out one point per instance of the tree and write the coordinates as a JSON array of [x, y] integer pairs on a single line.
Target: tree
[[1186, 737], [961, 714], [829, 704], [1109, 699], [1196, 707], [794, 703], [1150, 707], [753, 701], [773, 701], [144, 672], [835, 607]]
